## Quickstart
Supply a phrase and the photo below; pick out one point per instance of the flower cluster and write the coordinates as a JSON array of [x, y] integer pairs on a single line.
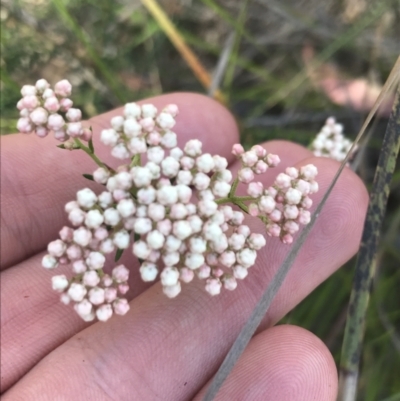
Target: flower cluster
[[140, 127], [176, 209], [43, 110], [283, 206], [330, 141]]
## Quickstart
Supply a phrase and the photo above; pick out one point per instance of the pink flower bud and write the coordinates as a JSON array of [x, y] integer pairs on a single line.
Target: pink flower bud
[[41, 132], [213, 286], [52, 104], [60, 135], [65, 104], [260, 167], [120, 274], [186, 275], [74, 252], [237, 149], [74, 115], [121, 306], [230, 282], [273, 230], [153, 139], [255, 189], [291, 227], [110, 294], [287, 239], [24, 125], [30, 102], [253, 210], [55, 122], [63, 88], [273, 160], [147, 124], [123, 288], [39, 116], [79, 266], [304, 217], [171, 109], [246, 175], [74, 129], [249, 158]]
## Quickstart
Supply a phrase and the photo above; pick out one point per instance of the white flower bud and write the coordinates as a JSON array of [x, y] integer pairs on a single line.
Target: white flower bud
[[201, 181], [246, 257], [142, 176], [120, 152], [155, 239], [141, 249], [104, 312], [165, 121], [167, 195], [94, 219], [109, 137], [77, 291], [95, 260], [105, 199], [82, 236], [148, 271], [132, 128], [213, 286], [205, 163], [169, 276], [117, 123], [59, 283], [96, 296], [121, 239], [182, 229], [86, 198], [142, 225], [171, 291], [111, 217], [169, 140], [171, 258], [149, 110], [132, 110], [90, 278]]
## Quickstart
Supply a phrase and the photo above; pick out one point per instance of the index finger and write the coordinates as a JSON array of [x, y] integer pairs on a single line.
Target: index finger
[[38, 180]]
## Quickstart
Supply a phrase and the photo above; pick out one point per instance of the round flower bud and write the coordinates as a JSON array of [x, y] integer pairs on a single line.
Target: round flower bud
[[59, 283]]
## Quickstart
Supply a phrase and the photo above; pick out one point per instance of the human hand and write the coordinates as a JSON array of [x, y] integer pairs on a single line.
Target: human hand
[[162, 349]]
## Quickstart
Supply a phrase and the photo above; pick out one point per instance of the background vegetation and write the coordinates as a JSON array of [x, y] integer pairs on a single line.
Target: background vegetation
[[285, 61]]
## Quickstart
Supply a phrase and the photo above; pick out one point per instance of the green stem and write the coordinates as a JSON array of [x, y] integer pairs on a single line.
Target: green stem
[[233, 188], [234, 199], [136, 161], [90, 153]]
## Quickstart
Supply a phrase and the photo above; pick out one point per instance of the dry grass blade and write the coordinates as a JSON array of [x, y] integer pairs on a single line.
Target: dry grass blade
[[365, 266], [177, 40], [270, 292], [222, 64]]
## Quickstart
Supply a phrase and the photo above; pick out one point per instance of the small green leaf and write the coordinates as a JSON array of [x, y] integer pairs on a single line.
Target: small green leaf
[[88, 177], [91, 147], [118, 254], [62, 146]]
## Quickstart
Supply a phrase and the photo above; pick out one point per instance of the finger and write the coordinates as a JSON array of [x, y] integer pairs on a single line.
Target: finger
[[161, 344], [24, 318], [37, 179], [284, 363]]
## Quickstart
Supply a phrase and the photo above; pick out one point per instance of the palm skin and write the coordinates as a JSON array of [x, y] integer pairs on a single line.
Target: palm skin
[[162, 349]]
